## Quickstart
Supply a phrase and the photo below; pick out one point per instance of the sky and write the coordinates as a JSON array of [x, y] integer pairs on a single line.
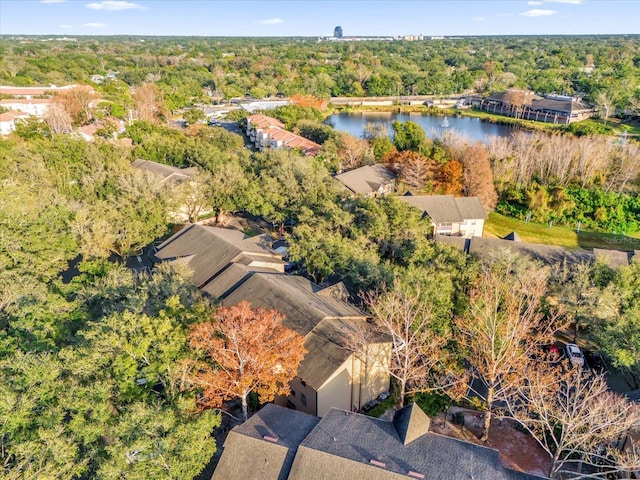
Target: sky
[[314, 18]]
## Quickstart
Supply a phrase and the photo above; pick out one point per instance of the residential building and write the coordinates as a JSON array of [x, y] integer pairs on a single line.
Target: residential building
[[32, 92], [207, 251], [166, 174], [331, 374], [232, 268], [527, 105], [449, 215], [287, 445], [32, 106], [268, 132], [368, 181], [547, 254], [8, 121]]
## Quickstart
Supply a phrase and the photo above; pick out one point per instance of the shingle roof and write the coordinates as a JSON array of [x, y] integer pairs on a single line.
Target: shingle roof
[[367, 179], [321, 316], [471, 208], [167, 172], [208, 250], [447, 208], [295, 297], [232, 277], [547, 254], [513, 236], [440, 208], [248, 455], [560, 104], [613, 258], [344, 444], [411, 423]]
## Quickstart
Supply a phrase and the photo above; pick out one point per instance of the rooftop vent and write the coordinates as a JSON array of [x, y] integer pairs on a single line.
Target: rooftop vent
[[269, 438], [377, 463]]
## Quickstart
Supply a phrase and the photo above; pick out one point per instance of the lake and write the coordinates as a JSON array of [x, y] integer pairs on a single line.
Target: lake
[[469, 127]]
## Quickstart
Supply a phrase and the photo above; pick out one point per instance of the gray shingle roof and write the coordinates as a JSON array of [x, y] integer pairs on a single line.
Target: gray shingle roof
[[547, 254], [564, 105], [367, 179], [295, 297], [411, 423], [471, 208], [248, 455], [343, 444], [325, 321], [232, 277], [166, 172], [447, 208], [513, 236], [613, 258], [208, 250]]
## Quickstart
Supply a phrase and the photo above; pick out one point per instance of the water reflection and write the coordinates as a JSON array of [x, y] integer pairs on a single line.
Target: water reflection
[[469, 127]]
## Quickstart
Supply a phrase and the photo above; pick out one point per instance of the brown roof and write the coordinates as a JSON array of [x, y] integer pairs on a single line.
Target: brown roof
[[18, 91], [440, 208], [278, 443], [328, 347], [11, 115], [232, 277], [263, 121], [367, 179], [547, 254], [291, 140]]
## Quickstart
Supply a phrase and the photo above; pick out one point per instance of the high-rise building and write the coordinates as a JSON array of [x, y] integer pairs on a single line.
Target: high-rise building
[[337, 32]]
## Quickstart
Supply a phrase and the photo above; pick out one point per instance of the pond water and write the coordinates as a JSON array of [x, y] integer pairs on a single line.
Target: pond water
[[434, 126]]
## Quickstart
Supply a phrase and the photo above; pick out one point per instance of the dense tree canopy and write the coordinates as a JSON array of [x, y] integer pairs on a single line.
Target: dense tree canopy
[[183, 70]]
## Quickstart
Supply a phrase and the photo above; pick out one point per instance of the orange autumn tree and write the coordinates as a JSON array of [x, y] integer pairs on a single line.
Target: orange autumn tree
[[309, 101], [246, 350]]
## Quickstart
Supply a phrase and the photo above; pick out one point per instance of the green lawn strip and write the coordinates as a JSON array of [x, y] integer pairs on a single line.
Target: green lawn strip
[[499, 226]]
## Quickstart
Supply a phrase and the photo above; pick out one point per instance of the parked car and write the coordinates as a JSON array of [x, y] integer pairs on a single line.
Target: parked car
[[595, 361], [575, 355]]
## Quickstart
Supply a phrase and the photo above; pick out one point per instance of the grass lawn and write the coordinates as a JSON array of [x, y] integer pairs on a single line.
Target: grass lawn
[[499, 226]]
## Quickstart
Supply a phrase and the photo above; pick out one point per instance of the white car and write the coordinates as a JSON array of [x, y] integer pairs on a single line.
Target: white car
[[575, 355]]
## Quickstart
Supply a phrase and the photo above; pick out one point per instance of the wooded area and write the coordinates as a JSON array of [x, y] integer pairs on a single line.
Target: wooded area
[[109, 374]]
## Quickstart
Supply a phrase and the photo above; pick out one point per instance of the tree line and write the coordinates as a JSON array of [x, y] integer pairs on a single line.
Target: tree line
[[602, 68]]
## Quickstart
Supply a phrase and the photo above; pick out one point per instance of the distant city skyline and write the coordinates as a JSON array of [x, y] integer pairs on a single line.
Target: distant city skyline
[[315, 18]]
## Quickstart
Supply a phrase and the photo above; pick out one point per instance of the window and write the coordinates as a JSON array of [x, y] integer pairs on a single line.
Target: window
[[444, 228], [303, 399], [293, 392], [290, 405], [304, 384]]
